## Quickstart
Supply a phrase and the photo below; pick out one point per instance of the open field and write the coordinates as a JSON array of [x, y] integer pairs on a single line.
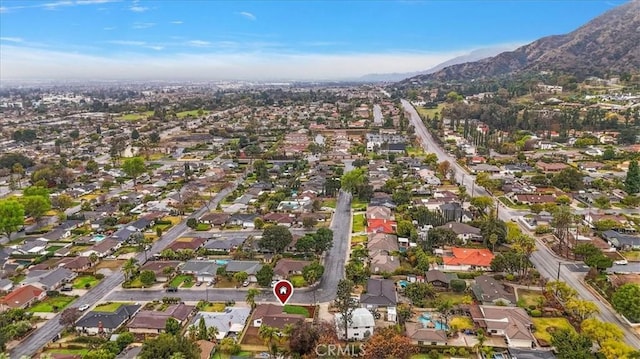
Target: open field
[[192, 113], [430, 112], [135, 116], [110, 264], [529, 297]]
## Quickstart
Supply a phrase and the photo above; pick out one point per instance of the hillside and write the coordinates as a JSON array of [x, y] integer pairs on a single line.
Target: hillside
[[608, 43]]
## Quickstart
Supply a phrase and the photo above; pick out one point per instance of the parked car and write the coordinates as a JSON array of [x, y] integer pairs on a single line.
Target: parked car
[[245, 283], [171, 289], [273, 283], [83, 307], [66, 288], [198, 284]]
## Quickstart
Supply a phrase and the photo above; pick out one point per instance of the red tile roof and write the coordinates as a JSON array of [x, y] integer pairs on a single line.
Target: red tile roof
[[381, 226], [469, 256], [21, 296]]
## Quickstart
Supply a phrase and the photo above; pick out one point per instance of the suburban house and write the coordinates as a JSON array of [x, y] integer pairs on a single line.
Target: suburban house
[[244, 220], [273, 316], [106, 322], [361, 326], [530, 199], [380, 293], [49, 280], [512, 323], [438, 279], [231, 322], [464, 259], [22, 297], [249, 267], [76, 264], [420, 335], [206, 348], [103, 248], [377, 242], [491, 292], [379, 212], [383, 262], [550, 167], [381, 226], [186, 243], [154, 322], [464, 231], [33, 247], [622, 241], [203, 271], [215, 219], [224, 244], [288, 267], [159, 268]]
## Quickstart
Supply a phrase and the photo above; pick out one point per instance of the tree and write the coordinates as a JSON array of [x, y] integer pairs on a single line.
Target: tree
[[561, 290], [240, 277], [135, 134], [270, 336], [419, 293], [404, 313], [275, 239], [304, 338], [229, 346], [569, 178], [581, 309], [312, 272], [632, 182], [345, 304], [69, 317], [616, 349], [172, 326], [129, 268], [626, 300], [305, 244], [261, 171], [571, 345], [482, 203], [11, 216], [602, 202], [36, 206], [62, 201], [441, 237], [443, 168], [134, 167], [388, 343], [99, 354], [264, 276], [154, 137], [323, 240], [350, 181], [166, 345], [250, 298], [309, 222], [562, 220], [599, 331], [124, 339], [192, 223], [147, 278]]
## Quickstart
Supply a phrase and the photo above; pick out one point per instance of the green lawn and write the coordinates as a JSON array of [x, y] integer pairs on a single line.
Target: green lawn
[[461, 323], [220, 355], [297, 281], [192, 113], [203, 227], [109, 307], [81, 282], [529, 297], [542, 325], [455, 298], [46, 306], [631, 255], [135, 116], [358, 223], [179, 279], [358, 239], [52, 249], [294, 309], [213, 307], [358, 204], [331, 202], [430, 112], [125, 250], [507, 202], [81, 352]]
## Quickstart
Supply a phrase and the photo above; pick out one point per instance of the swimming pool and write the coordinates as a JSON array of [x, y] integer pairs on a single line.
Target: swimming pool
[[427, 322], [498, 356], [403, 283], [98, 238], [222, 262]]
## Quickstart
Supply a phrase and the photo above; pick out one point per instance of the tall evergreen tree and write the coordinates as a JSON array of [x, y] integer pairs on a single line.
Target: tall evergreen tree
[[632, 183]]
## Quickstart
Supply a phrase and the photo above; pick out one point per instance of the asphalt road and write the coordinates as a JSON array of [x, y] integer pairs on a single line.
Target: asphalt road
[[334, 263], [543, 259], [41, 336]]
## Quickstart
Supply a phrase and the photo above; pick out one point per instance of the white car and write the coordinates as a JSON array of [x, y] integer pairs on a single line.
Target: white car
[[83, 307]]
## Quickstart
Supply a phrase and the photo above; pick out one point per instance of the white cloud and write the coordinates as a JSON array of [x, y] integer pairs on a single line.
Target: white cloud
[[198, 43], [248, 15], [143, 25], [11, 39], [138, 8], [109, 28], [32, 63], [177, 22], [91, 2]]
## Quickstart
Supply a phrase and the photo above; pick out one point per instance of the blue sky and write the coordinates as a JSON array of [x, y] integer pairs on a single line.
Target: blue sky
[[193, 39]]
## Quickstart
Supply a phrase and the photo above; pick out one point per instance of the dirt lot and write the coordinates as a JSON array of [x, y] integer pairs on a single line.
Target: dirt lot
[[110, 264]]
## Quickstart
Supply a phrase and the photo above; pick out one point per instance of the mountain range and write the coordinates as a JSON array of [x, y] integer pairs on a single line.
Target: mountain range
[[474, 55], [610, 43]]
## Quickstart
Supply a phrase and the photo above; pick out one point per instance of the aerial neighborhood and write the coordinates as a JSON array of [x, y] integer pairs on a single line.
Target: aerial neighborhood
[[411, 221]]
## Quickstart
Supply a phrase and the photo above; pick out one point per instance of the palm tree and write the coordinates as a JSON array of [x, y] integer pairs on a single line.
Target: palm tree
[[93, 258], [193, 332], [481, 338], [212, 333], [251, 297], [129, 267], [493, 239], [269, 335]]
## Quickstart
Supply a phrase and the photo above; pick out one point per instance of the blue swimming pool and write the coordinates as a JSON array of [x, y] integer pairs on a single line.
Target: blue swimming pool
[[222, 262], [98, 238], [403, 283], [428, 322]]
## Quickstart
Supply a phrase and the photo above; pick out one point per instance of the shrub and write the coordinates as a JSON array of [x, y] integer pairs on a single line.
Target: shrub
[[498, 277], [53, 293], [510, 277], [536, 313], [99, 276], [458, 285]]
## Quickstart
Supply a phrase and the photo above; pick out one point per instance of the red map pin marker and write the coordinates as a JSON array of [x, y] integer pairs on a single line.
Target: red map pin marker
[[283, 290]]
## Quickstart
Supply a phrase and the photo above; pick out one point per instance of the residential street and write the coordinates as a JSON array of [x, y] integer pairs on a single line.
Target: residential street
[[542, 258], [334, 263], [49, 330]]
